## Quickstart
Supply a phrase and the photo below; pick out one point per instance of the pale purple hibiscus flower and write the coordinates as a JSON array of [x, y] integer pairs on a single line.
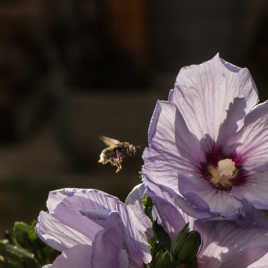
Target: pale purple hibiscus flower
[[209, 141], [242, 243], [93, 229]]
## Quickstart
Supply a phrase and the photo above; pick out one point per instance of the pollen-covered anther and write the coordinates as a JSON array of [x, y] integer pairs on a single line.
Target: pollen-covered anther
[[223, 173]]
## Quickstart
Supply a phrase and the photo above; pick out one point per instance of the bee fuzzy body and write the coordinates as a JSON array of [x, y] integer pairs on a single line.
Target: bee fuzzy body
[[116, 152]]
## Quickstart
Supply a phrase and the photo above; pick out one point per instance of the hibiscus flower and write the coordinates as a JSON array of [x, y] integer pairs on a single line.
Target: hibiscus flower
[[209, 141], [93, 229]]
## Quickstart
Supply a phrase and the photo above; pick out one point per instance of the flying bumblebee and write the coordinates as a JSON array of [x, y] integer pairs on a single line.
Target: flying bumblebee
[[116, 152]]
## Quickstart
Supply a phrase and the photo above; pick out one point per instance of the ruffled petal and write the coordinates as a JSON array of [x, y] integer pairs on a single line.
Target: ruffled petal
[[203, 94], [139, 223], [85, 210], [161, 168], [108, 249], [76, 257], [228, 244], [89, 211], [202, 195], [169, 135], [251, 143], [135, 205], [232, 124], [187, 209], [167, 214], [58, 235], [254, 191]]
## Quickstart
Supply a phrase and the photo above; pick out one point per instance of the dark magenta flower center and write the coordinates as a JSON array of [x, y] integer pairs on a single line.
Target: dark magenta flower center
[[223, 171]]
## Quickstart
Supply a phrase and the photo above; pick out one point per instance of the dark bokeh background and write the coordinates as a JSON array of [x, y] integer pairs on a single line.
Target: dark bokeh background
[[72, 70]]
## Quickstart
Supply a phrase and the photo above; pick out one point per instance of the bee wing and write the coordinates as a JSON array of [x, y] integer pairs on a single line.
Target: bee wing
[[109, 141]]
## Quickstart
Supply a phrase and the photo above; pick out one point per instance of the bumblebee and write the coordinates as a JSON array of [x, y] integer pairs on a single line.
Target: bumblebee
[[116, 152]]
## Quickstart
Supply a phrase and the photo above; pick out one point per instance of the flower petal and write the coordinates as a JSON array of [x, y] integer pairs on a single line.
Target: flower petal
[[82, 208], [167, 215], [134, 204], [89, 211], [138, 223], [187, 209], [203, 94], [227, 244], [251, 145], [198, 191], [169, 135], [232, 124], [161, 168], [252, 141], [108, 249], [255, 191], [76, 257], [56, 234]]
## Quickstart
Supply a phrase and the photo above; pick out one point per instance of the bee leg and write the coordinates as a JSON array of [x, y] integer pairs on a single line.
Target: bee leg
[[119, 167], [118, 161]]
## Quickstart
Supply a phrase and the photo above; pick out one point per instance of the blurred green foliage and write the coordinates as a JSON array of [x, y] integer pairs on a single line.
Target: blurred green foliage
[[22, 248]]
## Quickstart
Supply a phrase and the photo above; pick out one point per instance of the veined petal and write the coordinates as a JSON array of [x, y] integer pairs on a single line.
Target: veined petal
[[134, 204], [58, 235], [252, 140], [187, 209], [161, 168], [57, 196], [198, 191], [89, 211], [203, 94], [99, 202], [167, 214], [108, 249], [76, 257], [227, 244], [139, 223], [255, 191], [82, 208], [232, 124], [169, 135]]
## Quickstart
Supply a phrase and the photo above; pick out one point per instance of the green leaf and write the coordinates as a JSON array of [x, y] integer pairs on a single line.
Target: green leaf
[[163, 260], [148, 206], [179, 240], [188, 253], [21, 235], [185, 246], [15, 250], [161, 236], [32, 234]]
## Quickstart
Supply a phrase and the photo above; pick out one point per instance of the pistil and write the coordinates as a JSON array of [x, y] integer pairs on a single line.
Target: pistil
[[223, 174]]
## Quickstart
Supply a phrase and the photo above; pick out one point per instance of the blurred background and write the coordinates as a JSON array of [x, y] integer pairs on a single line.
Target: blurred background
[[72, 70]]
